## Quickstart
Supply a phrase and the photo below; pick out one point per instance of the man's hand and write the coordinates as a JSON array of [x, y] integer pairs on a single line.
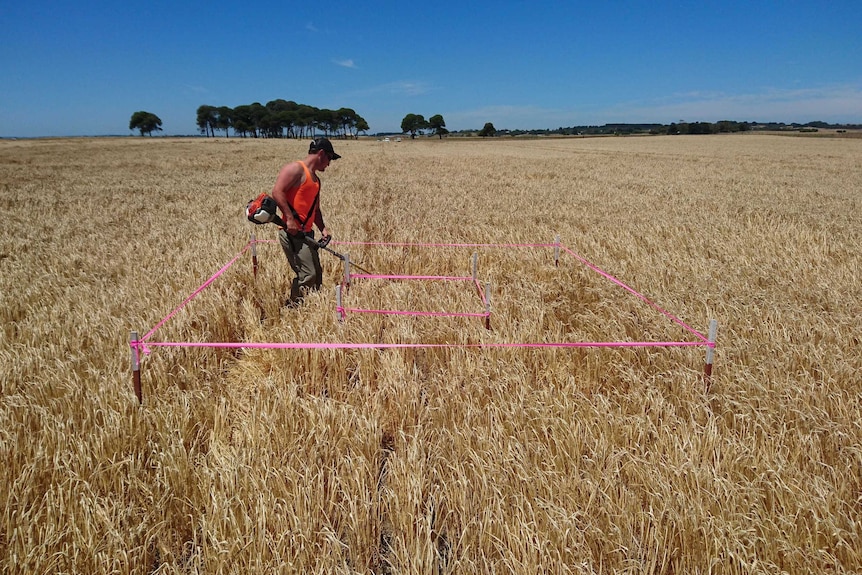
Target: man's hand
[[292, 226]]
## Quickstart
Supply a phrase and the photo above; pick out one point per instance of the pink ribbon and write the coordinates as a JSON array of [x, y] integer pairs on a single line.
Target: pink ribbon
[[142, 345], [343, 345]]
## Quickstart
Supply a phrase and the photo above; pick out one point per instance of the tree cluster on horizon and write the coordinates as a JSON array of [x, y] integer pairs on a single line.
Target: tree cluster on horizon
[[416, 124], [279, 119], [287, 119]]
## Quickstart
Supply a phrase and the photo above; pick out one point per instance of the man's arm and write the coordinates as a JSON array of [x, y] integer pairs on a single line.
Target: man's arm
[[318, 221], [289, 178]]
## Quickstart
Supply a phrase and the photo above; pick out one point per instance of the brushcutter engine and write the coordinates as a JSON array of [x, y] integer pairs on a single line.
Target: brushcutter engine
[[262, 210]]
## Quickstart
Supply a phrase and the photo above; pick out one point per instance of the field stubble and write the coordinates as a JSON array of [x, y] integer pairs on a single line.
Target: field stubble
[[435, 460]]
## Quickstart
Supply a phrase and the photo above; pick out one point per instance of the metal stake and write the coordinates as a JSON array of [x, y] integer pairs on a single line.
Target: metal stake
[[339, 310], [136, 367], [346, 271], [710, 353]]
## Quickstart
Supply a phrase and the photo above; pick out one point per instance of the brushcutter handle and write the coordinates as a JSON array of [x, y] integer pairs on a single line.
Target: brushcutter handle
[[315, 244], [323, 245]]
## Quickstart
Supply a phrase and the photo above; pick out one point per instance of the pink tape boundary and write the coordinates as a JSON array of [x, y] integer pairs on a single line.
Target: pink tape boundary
[[341, 345], [403, 277], [416, 313], [196, 292], [637, 294], [143, 345]]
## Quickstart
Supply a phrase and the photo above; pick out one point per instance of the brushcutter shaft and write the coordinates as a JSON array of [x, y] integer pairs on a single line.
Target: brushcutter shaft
[[322, 245]]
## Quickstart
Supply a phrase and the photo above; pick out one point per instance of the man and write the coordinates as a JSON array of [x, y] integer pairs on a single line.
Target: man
[[297, 193]]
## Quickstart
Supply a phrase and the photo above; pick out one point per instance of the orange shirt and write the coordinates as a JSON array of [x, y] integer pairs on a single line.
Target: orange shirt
[[303, 199]]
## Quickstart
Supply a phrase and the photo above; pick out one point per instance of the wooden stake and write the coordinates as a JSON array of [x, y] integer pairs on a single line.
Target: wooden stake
[[339, 310], [254, 254], [346, 271], [488, 305], [136, 367], [475, 264], [710, 353], [557, 251]]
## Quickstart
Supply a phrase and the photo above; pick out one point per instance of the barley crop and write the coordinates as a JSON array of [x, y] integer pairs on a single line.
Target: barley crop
[[455, 459]]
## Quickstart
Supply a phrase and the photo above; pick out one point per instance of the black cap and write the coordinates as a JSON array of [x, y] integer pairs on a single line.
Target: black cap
[[324, 144]]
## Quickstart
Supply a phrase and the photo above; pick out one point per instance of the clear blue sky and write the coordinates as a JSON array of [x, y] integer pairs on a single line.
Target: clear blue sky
[[83, 67]]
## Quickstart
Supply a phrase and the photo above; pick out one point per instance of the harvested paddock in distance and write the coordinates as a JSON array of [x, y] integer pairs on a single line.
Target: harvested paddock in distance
[[435, 460]]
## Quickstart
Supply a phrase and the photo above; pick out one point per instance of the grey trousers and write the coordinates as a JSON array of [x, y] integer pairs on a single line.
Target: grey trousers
[[305, 263]]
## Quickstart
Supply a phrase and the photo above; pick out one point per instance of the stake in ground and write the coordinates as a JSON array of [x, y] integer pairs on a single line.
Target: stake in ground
[[143, 345]]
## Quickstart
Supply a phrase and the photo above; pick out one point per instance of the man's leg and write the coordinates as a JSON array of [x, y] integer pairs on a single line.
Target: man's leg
[[305, 263]]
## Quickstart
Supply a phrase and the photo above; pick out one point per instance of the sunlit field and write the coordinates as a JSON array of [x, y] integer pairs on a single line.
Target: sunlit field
[[470, 456]]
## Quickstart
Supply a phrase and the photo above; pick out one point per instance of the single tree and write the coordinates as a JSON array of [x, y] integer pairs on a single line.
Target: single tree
[[361, 125], [307, 120], [243, 120], [282, 117], [488, 130], [346, 120], [207, 120], [413, 123], [224, 119], [351, 122], [328, 121], [259, 119], [438, 124], [145, 122]]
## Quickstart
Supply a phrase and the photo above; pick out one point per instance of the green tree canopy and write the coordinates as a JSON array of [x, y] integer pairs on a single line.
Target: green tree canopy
[[279, 119], [438, 124], [413, 123], [348, 121], [361, 125], [207, 119], [145, 122], [224, 119], [488, 130]]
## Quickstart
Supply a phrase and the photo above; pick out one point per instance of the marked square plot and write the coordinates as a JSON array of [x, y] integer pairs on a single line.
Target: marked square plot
[[415, 295], [558, 295]]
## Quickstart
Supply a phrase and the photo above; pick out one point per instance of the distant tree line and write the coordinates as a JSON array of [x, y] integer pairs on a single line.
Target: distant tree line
[[681, 127], [279, 119]]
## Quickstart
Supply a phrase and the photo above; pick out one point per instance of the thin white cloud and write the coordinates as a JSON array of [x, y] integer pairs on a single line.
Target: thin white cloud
[[510, 117], [835, 104], [831, 103], [311, 27], [194, 90], [349, 63], [398, 88], [409, 88]]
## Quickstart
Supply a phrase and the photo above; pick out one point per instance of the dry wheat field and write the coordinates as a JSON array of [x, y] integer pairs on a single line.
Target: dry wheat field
[[434, 460]]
